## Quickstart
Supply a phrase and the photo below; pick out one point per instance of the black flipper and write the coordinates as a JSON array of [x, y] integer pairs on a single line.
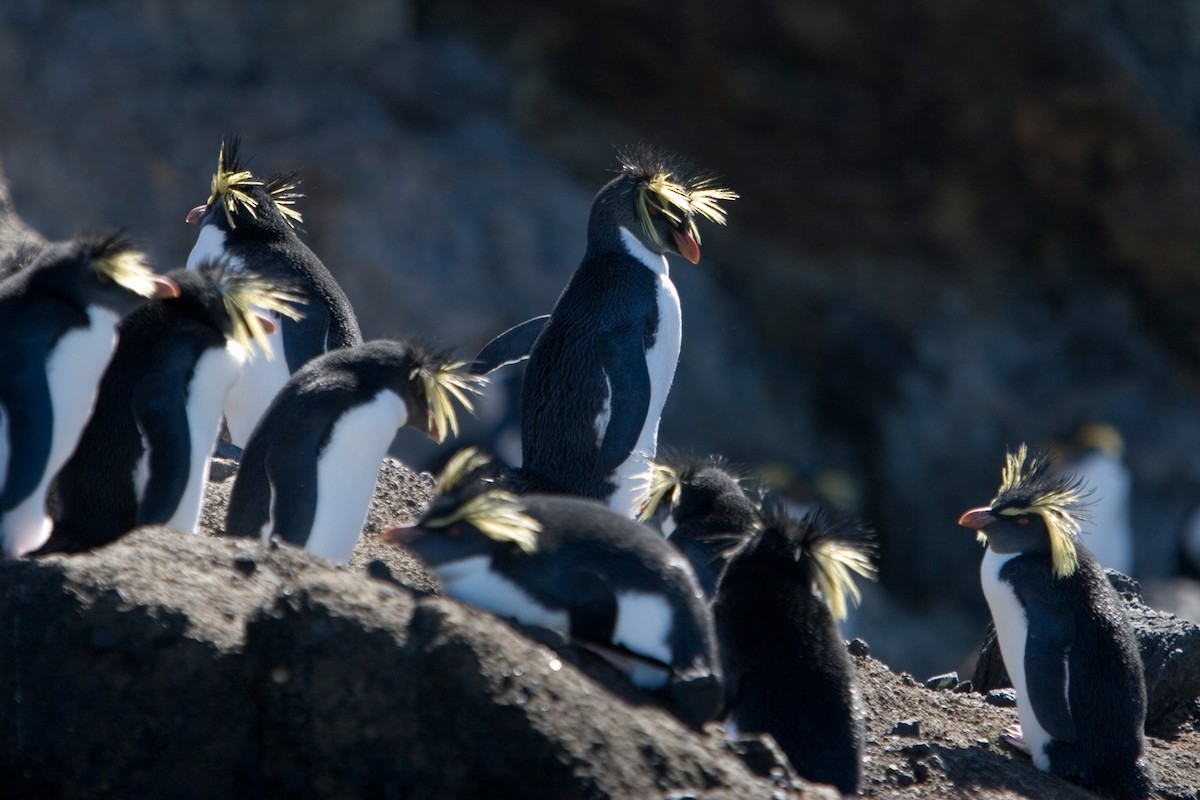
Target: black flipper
[[160, 411], [1051, 634], [510, 347], [25, 397], [623, 359], [592, 607]]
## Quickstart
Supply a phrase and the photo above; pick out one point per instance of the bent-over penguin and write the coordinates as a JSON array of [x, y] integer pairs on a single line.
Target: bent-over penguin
[[787, 670], [576, 567], [308, 473], [1063, 634], [250, 222], [143, 457], [58, 330], [601, 365], [704, 512]]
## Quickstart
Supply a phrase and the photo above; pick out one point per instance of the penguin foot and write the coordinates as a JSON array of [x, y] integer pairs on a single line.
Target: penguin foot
[[1013, 737]]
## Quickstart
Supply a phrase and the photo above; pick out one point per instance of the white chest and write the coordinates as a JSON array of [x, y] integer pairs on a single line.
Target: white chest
[[1012, 628], [209, 246], [256, 386], [644, 624], [473, 581], [347, 471], [73, 372]]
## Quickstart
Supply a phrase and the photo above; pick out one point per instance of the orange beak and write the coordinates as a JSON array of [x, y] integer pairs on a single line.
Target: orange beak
[[977, 518], [195, 214], [686, 245], [165, 288]]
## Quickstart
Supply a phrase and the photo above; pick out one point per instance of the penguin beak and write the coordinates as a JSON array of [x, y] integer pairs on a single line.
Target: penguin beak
[[686, 245], [267, 323], [195, 214], [977, 518], [165, 288], [401, 535]]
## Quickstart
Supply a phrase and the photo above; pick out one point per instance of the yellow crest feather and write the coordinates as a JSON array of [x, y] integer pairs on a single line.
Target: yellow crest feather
[[229, 188], [128, 269], [833, 565], [244, 295], [664, 487], [443, 384], [1025, 488]]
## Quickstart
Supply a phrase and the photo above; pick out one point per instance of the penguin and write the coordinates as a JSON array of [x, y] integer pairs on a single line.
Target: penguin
[[572, 565], [601, 364], [308, 473], [787, 670], [1063, 634], [143, 457], [251, 223], [1106, 528], [58, 330], [705, 512]]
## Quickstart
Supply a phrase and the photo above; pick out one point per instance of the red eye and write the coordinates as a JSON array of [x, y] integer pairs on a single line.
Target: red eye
[[453, 530], [1023, 521]]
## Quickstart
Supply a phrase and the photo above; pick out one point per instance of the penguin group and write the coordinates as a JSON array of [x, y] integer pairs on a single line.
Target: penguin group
[[116, 384]]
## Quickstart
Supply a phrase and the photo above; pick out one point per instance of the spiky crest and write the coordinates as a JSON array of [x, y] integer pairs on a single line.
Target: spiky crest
[[495, 513], [230, 181], [664, 488], [115, 257], [242, 292], [836, 550], [1028, 485], [668, 184], [444, 381]]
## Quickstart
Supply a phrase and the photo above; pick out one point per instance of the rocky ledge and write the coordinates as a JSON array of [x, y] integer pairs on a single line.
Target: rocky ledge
[[182, 666]]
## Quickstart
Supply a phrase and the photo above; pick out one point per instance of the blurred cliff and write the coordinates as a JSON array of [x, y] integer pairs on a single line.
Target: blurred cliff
[[964, 224]]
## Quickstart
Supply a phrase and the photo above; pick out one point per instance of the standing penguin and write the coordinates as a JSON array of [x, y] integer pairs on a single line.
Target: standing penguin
[[143, 457], [250, 223], [602, 363], [787, 670], [572, 565], [1099, 461], [705, 512], [1073, 660], [58, 330], [309, 470]]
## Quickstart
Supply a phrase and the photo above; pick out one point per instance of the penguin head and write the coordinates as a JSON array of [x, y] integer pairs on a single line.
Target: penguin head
[[818, 551], [656, 198], [469, 516], [1035, 511], [238, 302], [240, 204], [103, 269], [699, 489], [435, 384]]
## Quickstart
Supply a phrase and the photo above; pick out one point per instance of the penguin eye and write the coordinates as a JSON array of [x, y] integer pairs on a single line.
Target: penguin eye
[[1023, 521]]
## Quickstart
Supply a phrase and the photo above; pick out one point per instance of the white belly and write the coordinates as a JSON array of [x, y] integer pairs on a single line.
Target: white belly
[[644, 624], [260, 380], [633, 476], [73, 371], [347, 471], [1012, 626], [215, 374], [209, 246], [472, 581]]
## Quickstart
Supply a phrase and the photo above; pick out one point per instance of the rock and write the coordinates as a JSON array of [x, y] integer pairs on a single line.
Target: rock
[[907, 727], [161, 666], [1170, 650], [942, 682], [1001, 698]]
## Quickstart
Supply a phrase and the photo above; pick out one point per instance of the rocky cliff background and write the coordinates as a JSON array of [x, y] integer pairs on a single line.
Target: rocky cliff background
[[963, 224]]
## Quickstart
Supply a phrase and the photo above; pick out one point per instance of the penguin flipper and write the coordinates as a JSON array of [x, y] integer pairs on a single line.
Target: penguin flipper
[[291, 466], [623, 360], [25, 398], [160, 412], [510, 347], [1047, 646]]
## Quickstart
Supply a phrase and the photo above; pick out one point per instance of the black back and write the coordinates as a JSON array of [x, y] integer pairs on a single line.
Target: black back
[[787, 670], [711, 515]]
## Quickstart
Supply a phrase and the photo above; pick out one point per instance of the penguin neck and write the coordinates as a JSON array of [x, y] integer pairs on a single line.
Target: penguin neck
[[654, 262]]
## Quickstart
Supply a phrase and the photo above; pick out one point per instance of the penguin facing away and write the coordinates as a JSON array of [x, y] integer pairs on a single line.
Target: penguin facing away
[[58, 320], [601, 365], [142, 458], [787, 669], [251, 223], [1107, 529], [1073, 660], [574, 566], [706, 512], [309, 470]]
